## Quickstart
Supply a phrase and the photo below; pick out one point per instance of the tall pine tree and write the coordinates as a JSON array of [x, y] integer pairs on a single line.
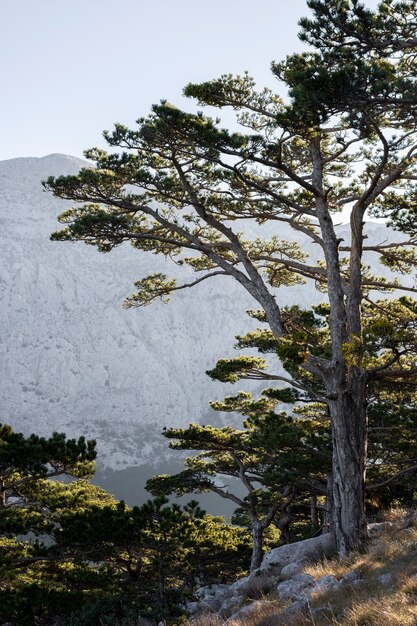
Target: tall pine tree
[[345, 138]]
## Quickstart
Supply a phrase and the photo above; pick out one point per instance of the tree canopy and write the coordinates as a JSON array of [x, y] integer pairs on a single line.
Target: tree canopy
[[344, 138], [71, 553]]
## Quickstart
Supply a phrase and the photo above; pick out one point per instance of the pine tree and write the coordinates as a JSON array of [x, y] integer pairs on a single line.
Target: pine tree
[[279, 460], [71, 553], [181, 186], [26, 460]]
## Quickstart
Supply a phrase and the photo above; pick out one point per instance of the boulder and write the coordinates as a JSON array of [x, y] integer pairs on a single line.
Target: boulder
[[232, 604], [239, 585], [274, 574], [211, 591], [385, 579], [300, 607], [291, 570], [311, 550], [293, 588], [351, 577], [377, 528], [325, 582], [244, 613], [192, 607]]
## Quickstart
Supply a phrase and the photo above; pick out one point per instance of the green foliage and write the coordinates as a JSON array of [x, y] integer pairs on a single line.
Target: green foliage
[[159, 551], [27, 462], [40, 456], [287, 395], [94, 559], [392, 446], [40, 582], [231, 370], [280, 460], [96, 226], [293, 452], [110, 610], [179, 183], [149, 289]]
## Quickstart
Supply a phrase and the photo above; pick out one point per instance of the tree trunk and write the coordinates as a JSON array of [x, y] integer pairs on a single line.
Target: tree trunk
[[328, 511], [283, 524], [314, 514], [3, 495], [345, 382], [161, 581], [349, 421], [257, 553]]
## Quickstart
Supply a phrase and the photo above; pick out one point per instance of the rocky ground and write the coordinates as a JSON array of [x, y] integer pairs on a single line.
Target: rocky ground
[[304, 584]]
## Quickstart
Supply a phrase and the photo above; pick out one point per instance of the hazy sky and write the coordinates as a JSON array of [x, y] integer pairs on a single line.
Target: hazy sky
[[71, 68]]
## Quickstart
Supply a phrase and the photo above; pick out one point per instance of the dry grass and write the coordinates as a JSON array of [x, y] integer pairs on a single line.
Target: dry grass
[[391, 602], [335, 567], [397, 609], [208, 619], [392, 515], [391, 552], [374, 602], [258, 587], [264, 612], [370, 605]]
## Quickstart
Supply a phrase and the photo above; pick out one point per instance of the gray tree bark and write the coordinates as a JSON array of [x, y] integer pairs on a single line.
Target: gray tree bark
[[349, 435], [257, 553]]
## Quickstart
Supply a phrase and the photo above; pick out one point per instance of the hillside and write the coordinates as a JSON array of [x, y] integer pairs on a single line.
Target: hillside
[[72, 359], [295, 587]]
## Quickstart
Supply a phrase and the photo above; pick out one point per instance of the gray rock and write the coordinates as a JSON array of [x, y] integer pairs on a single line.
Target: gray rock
[[291, 570], [351, 577], [232, 604], [300, 606], [211, 591], [312, 550], [305, 595], [324, 610], [291, 589], [273, 574], [210, 598], [385, 579], [65, 334], [244, 612], [192, 607], [239, 585], [379, 527], [326, 582]]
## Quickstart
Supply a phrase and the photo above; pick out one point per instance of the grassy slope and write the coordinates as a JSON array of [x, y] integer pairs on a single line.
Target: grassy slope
[[379, 600]]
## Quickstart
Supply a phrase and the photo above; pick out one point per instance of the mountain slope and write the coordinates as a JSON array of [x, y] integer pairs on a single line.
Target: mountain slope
[[72, 359]]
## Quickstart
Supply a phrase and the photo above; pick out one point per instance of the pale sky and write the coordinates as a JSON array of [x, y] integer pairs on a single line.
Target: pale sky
[[71, 68]]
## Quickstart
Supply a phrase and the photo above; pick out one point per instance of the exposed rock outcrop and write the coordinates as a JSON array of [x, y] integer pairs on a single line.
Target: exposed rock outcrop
[[282, 576], [281, 570]]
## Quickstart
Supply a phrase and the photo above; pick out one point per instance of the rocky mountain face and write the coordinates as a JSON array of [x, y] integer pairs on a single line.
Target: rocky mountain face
[[73, 360]]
